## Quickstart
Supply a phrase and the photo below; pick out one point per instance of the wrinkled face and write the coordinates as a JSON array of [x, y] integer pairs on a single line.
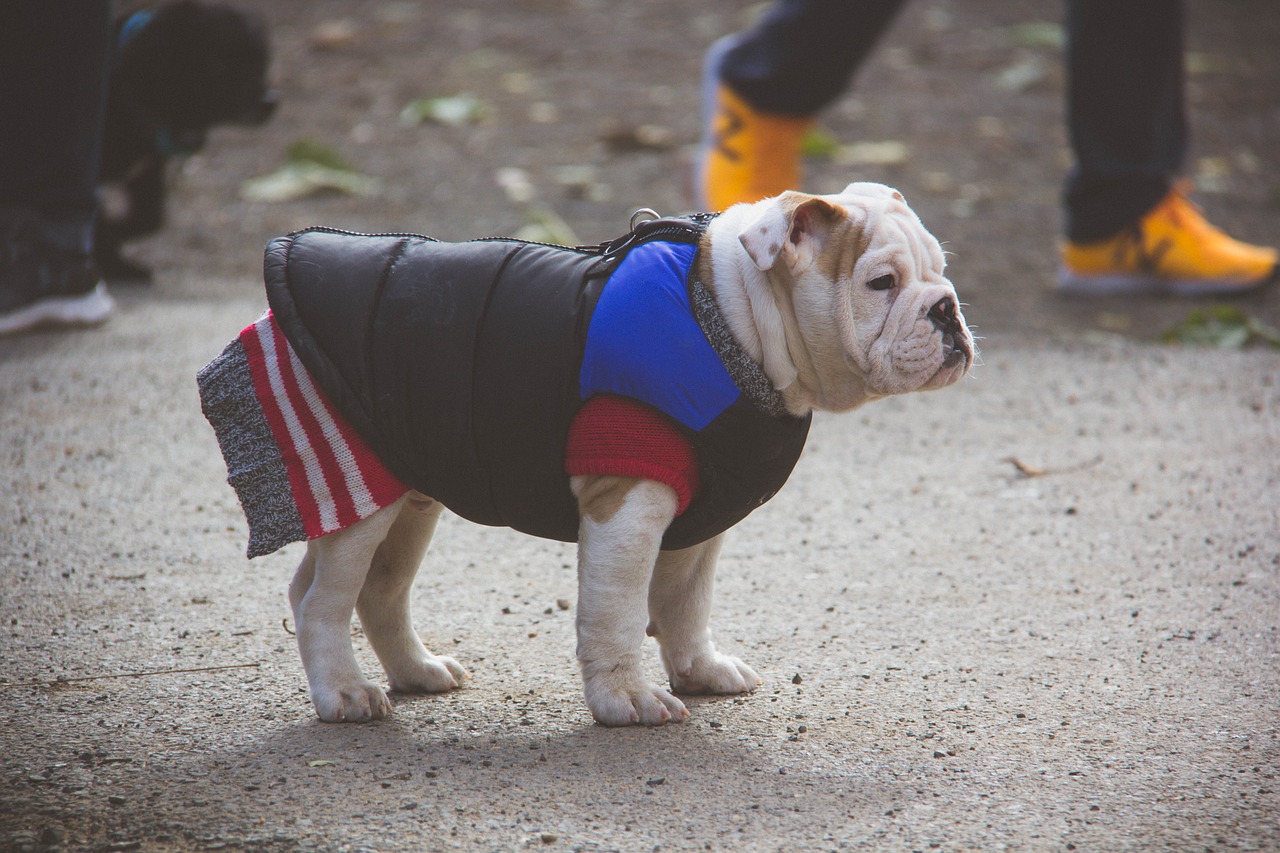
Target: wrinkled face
[[848, 297], [898, 316]]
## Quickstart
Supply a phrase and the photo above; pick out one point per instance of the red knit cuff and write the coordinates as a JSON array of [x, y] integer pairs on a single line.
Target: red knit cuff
[[622, 437]]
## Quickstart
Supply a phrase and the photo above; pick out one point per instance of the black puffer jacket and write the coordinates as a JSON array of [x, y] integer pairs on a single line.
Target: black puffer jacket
[[460, 365]]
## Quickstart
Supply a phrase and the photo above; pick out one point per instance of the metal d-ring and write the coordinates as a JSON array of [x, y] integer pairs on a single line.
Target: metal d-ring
[[647, 212]]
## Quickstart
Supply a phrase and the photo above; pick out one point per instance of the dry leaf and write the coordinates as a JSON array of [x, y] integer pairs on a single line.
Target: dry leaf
[[453, 111], [299, 180], [636, 137], [1206, 63], [1021, 75], [546, 226], [515, 183], [312, 167], [819, 144], [333, 35], [1023, 468], [890, 152], [1038, 34], [1223, 327]]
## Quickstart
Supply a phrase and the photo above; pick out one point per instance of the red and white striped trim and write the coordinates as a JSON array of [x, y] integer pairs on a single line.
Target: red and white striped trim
[[335, 476]]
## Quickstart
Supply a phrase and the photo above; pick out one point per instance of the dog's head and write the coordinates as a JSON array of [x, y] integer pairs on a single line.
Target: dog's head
[[189, 66], [849, 297]]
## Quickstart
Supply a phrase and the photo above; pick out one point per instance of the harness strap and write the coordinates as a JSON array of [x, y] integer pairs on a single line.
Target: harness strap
[[681, 229]]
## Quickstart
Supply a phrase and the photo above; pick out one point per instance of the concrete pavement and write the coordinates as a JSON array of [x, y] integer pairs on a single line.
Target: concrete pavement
[[1037, 611]]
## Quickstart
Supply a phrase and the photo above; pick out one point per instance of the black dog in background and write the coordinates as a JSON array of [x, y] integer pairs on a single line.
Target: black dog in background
[[179, 69]]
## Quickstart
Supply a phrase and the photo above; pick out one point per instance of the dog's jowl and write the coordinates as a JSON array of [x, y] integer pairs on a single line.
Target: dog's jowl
[[638, 398]]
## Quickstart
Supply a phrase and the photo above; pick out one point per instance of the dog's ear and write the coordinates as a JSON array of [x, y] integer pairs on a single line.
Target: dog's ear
[[792, 228], [873, 189]]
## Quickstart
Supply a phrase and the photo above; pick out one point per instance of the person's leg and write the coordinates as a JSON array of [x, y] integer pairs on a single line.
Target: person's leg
[[54, 62], [762, 88], [802, 54], [1129, 227], [1125, 111]]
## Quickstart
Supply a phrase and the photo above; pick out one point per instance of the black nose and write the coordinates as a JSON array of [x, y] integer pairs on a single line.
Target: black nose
[[943, 315]]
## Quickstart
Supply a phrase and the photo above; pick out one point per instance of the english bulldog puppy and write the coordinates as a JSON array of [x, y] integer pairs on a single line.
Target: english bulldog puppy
[[638, 398]]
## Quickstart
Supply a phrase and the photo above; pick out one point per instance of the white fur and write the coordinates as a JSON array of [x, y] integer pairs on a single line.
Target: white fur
[[368, 567], [616, 560], [825, 343], [807, 331]]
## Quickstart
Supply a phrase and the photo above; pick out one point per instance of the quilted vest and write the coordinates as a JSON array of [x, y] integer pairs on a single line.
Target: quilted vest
[[463, 365]]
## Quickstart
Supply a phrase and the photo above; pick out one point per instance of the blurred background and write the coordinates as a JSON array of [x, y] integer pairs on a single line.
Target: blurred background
[[555, 119]]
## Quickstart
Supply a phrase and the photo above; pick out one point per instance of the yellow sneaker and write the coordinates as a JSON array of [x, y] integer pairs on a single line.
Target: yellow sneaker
[[746, 155], [1172, 250]]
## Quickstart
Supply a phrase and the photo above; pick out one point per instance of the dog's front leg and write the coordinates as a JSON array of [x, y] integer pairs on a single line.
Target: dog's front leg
[[323, 595], [680, 610], [623, 520]]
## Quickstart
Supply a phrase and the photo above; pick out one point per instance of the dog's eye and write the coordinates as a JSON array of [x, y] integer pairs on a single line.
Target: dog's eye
[[883, 282]]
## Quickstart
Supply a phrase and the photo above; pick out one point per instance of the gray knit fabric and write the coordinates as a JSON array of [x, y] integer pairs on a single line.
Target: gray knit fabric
[[743, 370], [254, 466]]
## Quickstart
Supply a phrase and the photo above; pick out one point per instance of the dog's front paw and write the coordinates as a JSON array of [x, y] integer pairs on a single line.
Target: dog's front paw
[[620, 696], [356, 702], [431, 674], [712, 674]]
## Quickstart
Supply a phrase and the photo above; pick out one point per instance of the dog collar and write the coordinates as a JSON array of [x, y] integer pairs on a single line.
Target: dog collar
[[684, 229], [745, 372]]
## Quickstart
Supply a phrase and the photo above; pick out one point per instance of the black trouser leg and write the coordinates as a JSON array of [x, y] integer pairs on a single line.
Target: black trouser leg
[[1125, 111], [54, 58], [803, 53]]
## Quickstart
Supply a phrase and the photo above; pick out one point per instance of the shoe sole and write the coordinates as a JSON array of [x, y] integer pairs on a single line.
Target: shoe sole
[[1073, 284], [88, 309]]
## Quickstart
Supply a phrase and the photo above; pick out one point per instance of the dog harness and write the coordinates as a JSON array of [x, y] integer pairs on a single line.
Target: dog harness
[[485, 374]]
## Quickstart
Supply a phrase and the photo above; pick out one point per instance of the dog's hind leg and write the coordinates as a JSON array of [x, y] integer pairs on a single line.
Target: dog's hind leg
[[323, 595], [384, 604], [679, 612]]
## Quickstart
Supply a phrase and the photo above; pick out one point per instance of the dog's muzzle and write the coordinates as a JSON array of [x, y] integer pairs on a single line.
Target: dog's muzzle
[[945, 316]]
